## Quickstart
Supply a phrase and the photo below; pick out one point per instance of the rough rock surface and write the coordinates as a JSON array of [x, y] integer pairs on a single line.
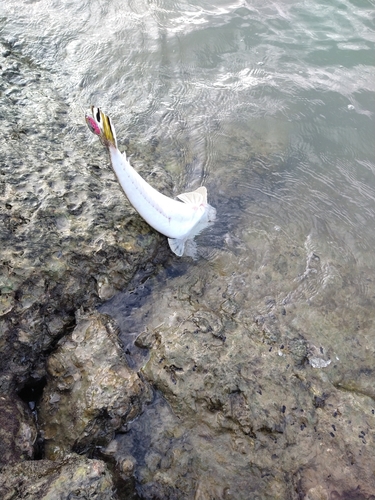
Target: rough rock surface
[[17, 430], [90, 391], [68, 235], [74, 477], [68, 239], [257, 398]]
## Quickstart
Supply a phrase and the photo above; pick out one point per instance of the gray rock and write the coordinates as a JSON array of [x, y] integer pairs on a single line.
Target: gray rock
[[91, 393], [74, 477], [244, 413], [239, 412], [68, 238]]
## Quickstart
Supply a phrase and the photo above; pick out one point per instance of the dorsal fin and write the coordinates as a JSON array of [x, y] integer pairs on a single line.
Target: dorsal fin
[[196, 197]]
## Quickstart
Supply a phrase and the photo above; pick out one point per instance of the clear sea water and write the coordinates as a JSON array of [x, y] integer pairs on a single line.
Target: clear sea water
[[227, 86], [290, 79]]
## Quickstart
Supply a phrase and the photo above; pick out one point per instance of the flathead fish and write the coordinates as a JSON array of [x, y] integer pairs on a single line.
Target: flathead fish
[[180, 221]]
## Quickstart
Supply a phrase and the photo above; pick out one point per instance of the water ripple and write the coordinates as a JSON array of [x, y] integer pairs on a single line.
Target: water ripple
[[270, 104]]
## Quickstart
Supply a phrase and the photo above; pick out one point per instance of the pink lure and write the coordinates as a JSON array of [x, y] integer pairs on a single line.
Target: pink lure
[[93, 126]]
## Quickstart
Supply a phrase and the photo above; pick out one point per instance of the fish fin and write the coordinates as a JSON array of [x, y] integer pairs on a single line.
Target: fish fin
[[183, 247], [197, 197], [177, 246], [100, 124], [191, 249]]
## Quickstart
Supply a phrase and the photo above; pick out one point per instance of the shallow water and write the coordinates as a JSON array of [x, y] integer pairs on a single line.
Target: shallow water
[[223, 86], [271, 106]]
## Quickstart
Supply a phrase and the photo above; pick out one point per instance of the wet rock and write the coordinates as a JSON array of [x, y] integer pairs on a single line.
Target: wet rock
[[298, 349], [317, 493], [91, 393], [17, 430], [68, 238], [249, 416], [68, 235], [238, 413], [74, 477]]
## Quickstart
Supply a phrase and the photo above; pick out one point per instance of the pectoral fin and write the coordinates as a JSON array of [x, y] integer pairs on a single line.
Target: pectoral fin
[[181, 247], [177, 246], [196, 197]]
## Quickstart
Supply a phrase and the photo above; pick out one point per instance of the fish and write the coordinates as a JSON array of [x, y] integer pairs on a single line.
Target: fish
[[179, 220]]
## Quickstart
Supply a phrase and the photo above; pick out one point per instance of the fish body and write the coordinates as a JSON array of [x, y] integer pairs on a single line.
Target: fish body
[[181, 220]]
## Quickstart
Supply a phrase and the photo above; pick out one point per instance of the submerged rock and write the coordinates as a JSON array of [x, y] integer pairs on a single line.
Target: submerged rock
[[259, 354], [243, 411], [91, 393]]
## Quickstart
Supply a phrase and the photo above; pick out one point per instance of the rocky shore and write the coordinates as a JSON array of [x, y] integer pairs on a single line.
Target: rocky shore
[[69, 241], [227, 385]]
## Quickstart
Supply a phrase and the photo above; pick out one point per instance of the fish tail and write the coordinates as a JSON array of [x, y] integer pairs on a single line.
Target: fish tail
[[100, 124]]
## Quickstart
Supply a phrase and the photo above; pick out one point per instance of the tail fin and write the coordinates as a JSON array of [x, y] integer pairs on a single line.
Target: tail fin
[[101, 125]]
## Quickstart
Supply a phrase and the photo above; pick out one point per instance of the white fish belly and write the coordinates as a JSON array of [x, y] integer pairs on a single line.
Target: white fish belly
[[172, 218]]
